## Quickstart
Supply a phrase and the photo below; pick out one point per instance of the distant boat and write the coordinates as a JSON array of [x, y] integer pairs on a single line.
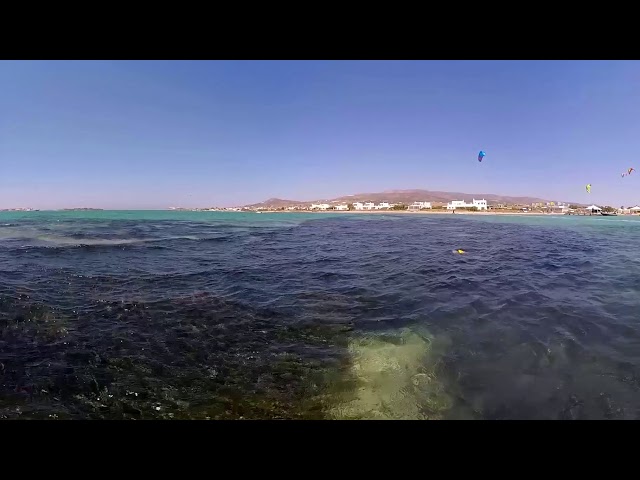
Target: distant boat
[[609, 214]]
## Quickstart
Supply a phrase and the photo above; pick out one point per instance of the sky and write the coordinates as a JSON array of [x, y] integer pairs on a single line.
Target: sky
[[159, 134]]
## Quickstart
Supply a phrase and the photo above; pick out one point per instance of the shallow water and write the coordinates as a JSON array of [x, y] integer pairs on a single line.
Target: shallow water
[[226, 315]]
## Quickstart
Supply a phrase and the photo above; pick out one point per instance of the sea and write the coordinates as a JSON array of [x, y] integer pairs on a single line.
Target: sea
[[216, 315]]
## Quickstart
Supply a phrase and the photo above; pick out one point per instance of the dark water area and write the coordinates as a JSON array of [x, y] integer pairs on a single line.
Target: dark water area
[[225, 316]]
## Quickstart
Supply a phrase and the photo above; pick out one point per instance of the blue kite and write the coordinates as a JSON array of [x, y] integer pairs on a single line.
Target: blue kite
[[481, 155]]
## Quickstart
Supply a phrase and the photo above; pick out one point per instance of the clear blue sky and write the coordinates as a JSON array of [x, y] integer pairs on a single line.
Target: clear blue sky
[[158, 134]]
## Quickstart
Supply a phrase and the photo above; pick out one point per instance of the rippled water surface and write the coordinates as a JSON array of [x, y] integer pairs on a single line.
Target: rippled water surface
[[219, 315]]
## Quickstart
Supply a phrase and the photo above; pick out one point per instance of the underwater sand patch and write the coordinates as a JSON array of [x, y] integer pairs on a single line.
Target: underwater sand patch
[[392, 377]]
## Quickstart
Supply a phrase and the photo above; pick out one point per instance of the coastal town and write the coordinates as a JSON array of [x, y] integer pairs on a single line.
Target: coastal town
[[475, 205], [459, 206], [498, 205]]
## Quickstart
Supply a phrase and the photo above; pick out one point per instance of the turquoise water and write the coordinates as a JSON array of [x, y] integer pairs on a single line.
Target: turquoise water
[[166, 314], [542, 220], [146, 215]]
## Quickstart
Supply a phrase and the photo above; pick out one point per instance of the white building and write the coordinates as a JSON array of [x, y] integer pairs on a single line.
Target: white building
[[342, 207], [419, 205], [319, 206], [479, 204], [594, 208], [559, 208], [358, 206], [382, 205], [635, 209], [369, 206]]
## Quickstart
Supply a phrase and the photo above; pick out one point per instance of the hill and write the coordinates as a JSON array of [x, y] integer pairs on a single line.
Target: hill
[[408, 196], [405, 196], [276, 203]]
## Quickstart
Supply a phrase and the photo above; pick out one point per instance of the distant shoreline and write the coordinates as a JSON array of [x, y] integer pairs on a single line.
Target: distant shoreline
[[408, 212], [319, 212]]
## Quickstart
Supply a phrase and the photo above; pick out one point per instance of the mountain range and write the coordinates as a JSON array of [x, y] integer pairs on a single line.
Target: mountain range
[[404, 196]]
